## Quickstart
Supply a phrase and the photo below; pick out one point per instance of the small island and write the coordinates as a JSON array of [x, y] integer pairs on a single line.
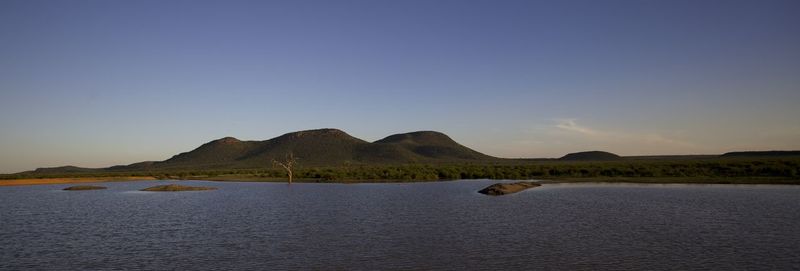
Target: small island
[[176, 188], [500, 189], [84, 187]]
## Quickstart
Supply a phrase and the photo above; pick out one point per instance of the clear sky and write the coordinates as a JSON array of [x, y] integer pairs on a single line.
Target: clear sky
[[100, 83]]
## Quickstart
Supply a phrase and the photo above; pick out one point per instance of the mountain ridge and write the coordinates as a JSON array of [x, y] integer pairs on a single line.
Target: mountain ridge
[[317, 147]]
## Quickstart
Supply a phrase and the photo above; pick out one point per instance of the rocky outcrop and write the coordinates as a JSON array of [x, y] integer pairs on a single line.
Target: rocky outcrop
[[500, 189], [84, 187], [176, 188]]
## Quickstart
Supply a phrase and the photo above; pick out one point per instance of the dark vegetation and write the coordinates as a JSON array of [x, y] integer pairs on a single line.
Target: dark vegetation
[[330, 155], [715, 170]]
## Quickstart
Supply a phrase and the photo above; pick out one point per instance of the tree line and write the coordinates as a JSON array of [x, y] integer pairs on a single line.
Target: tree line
[[721, 168]]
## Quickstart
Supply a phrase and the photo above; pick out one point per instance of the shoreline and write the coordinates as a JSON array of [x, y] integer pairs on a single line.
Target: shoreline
[[45, 181], [632, 180], [679, 180]]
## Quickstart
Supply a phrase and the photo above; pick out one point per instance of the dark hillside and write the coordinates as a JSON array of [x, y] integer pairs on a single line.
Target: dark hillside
[[221, 151], [313, 147], [432, 145]]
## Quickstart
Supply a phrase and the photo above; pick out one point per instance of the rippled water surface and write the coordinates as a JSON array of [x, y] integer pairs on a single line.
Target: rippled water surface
[[443, 225]]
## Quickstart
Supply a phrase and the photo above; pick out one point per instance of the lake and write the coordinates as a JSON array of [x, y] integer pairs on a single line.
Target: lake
[[441, 225]]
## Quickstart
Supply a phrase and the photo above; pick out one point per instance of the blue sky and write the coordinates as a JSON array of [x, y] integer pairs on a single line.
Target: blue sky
[[99, 83]]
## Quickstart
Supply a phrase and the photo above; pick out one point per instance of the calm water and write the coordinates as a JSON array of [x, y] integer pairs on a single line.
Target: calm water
[[400, 226]]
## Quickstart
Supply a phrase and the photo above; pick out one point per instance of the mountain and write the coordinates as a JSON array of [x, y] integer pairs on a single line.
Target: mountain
[[590, 156], [320, 147]]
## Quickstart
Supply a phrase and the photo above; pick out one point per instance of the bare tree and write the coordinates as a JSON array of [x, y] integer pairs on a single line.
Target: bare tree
[[287, 164]]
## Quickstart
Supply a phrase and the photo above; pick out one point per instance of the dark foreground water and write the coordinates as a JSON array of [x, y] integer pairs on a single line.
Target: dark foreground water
[[400, 226]]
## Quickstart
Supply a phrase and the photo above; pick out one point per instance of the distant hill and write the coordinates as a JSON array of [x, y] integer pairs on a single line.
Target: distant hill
[[761, 154], [321, 147], [64, 169], [590, 156]]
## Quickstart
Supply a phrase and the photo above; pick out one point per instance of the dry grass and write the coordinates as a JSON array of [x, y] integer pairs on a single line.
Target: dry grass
[[70, 180]]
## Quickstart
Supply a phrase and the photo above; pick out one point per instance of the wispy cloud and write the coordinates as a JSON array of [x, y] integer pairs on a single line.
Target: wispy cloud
[[570, 125], [630, 141]]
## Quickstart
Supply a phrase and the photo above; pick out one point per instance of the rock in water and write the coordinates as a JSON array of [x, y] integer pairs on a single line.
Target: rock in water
[[84, 187], [500, 189], [176, 188]]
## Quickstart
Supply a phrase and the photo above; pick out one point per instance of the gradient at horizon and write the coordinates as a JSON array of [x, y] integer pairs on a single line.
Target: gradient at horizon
[[99, 83]]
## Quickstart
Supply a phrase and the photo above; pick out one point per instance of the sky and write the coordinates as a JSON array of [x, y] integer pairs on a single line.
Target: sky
[[101, 83]]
